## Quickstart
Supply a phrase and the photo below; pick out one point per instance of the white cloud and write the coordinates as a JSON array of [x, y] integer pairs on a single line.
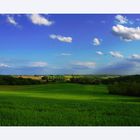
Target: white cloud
[[116, 54], [99, 52], [121, 19], [61, 38], [131, 22], [39, 64], [39, 20], [66, 54], [96, 41], [137, 19], [85, 64], [136, 56], [4, 65], [127, 33], [11, 20]]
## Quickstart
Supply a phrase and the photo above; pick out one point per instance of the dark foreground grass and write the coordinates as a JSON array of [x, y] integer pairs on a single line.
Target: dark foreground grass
[[66, 105]]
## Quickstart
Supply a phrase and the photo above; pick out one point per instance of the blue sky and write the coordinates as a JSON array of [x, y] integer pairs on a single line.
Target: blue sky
[[69, 44]]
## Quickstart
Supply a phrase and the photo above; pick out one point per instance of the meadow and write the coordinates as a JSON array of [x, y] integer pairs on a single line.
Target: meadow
[[66, 104]]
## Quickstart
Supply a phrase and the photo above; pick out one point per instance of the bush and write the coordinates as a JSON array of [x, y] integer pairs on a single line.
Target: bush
[[85, 80], [125, 88], [53, 78], [126, 79]]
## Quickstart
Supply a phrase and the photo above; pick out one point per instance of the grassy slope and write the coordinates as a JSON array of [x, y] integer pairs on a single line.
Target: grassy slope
[[66, 104]]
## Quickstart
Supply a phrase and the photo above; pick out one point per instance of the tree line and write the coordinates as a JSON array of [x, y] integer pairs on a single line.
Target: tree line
[[10, 80], [122, 85]]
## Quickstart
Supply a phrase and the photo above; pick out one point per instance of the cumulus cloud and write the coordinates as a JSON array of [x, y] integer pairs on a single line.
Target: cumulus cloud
[[121, 19], [126, 33], [61, 38], [40, 20], [4, 65], [66, 54], [82, 65], [116, 54], [39, 64], [11, 20], [99, 53], [96, 41], [136, 56]]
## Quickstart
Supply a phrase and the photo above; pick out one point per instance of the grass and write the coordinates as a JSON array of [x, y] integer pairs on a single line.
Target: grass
[[66, 105]]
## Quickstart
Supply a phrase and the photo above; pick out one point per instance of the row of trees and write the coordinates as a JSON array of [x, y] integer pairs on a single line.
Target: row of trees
[[125, 88], [54, 78], [10, 80], [86, 80], [104, 80], [121, 85], [130, 78], [81, 79], [124, 85]]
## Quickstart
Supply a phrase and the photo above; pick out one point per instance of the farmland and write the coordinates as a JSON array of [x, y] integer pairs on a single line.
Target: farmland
[[66, 104]]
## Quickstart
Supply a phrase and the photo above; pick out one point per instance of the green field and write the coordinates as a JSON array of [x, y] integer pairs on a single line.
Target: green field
[[66, 105]]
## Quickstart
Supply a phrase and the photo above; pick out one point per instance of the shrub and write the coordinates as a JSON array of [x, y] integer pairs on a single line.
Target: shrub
[[125, 88]]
